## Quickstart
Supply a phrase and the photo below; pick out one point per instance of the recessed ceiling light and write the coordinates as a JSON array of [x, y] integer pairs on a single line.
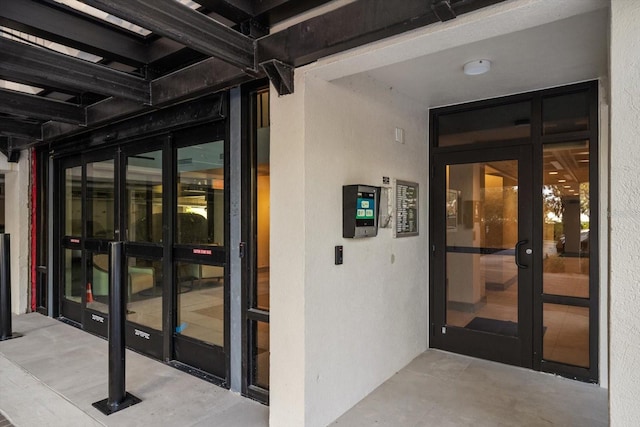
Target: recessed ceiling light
[[478, 67], [566, 186], [562, 180], [583, 161], [553, 173], [556, 164]]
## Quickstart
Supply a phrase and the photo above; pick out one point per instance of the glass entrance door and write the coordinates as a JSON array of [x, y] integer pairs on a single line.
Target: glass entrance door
[[483, 255], [166, 198]]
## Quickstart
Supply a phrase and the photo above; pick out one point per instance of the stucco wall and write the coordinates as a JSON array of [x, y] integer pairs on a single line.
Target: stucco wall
[[287, 249], [17, 225], [624, 347], [367, 318]]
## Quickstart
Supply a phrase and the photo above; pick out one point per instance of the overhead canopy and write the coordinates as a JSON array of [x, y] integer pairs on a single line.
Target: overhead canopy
[[69, 66]]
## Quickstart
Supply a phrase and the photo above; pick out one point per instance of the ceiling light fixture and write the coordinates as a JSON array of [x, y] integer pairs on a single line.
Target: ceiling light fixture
[[553, 173], [478, 67]]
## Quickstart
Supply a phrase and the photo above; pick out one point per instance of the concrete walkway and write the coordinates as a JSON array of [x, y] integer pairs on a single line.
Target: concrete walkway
[[52, 375]]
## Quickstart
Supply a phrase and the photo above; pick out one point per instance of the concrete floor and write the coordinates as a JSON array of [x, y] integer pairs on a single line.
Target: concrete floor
[[52, 375], [442, 389]]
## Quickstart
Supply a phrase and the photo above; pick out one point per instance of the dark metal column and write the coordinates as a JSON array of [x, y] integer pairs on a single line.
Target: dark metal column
[[5, 289], [118, 397]]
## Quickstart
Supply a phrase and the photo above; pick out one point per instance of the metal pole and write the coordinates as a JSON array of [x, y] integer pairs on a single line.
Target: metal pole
[[118, 397], [5, 289], [117, 312]]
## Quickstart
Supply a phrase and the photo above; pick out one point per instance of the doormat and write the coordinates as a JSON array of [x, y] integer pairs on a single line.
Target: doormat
[[494, 326]]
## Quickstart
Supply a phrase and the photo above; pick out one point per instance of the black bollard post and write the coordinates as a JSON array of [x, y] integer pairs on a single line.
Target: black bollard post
[[118, 397], [5, 289]]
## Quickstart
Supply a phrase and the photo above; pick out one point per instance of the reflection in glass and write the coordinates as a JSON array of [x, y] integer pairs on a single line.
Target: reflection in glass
[[566, 196], [144, 197], [565, 113], [566, 334], [98, 282], [261, 289], [502, 123], [100, 199], [73, 286], [261, 354], [200, 192], [482, 231], [201, 302], [144, 292], [73, 201]]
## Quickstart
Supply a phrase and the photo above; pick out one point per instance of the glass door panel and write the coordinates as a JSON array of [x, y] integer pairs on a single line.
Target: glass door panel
[[73, 288], [201, 302], [144, 218], [201, 194], [482, 254], [73, 284], [199, 287], [481, 236], [73, 201], [144, 197], [101, 199]]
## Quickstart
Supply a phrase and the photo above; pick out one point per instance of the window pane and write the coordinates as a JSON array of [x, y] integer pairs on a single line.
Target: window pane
[[73, 286], [98, 282], [261, 354], [144, 197], [73, 201], [566, 113], [144, 292], [261, 297], [504, 123], [201, 302], [482, 231], [201, 194], [100, 199], [566, 334], [566, 197]]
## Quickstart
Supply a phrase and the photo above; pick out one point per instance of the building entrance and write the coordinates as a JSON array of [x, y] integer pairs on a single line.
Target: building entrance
[[514, 263], [166, 198]]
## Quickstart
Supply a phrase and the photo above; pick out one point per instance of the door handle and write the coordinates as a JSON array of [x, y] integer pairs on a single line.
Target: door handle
[[520, 243]]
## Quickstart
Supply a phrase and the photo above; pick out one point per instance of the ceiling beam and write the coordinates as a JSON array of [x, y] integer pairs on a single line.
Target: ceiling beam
[[10, 146], [67, 27], [186, 26], [20, 128], [352, 25], [208, 76], [38, 107], [234, 10], [43, 66]]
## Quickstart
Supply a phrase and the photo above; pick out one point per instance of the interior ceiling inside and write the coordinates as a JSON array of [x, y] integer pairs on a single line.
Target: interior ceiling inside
[[557, 53]]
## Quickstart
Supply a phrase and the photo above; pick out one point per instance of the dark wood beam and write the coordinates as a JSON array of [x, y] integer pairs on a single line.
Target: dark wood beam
[[20, 128], [352, 25], [186, 26], [43, 66], [37, 107], [64, 26]]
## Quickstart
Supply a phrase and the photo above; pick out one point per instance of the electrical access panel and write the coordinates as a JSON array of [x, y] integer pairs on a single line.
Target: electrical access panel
[[360, 206]]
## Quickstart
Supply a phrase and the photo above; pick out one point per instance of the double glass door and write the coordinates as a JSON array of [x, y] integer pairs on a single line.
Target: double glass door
[[483, 254], [514, 230], [165, 198]]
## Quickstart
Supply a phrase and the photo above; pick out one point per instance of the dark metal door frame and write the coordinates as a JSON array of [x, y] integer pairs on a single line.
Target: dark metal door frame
[[511, 350]]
